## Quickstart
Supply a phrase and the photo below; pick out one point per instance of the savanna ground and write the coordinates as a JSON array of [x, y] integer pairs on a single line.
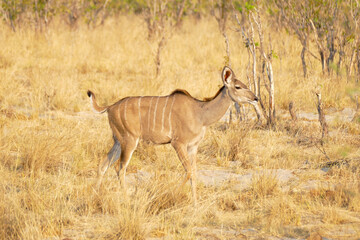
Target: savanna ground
[[51, 141]]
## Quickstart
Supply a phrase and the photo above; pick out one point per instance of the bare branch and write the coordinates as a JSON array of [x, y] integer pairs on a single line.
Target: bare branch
[[313, 55], [292, 111], [227, 49], [322, 120]]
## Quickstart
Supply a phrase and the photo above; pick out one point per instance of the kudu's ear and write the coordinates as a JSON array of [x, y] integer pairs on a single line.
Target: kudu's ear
[[227, 75]]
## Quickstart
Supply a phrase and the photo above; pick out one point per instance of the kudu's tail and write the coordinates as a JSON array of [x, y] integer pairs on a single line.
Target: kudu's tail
[[96, 107]]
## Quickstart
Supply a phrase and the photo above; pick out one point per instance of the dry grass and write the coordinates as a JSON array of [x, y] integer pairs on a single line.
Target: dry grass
[[50, 141]]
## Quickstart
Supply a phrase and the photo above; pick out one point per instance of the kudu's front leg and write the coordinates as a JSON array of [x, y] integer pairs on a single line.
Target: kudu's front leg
[[182, 152], [192, 152]]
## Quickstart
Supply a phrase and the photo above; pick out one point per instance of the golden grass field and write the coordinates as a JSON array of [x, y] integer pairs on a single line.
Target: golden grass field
[[51, 141]]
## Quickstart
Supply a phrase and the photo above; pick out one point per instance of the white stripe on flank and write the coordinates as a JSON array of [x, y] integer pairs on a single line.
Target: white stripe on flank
[[149, 113], [123, 124], [163, 114], [170, 127], [139, 105], [157, 100]]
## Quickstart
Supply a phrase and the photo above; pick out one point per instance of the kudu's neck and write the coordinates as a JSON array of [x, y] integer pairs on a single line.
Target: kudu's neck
[[213, 110]]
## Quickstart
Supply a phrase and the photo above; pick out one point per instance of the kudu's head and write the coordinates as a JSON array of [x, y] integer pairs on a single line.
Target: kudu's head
[[237, 91]]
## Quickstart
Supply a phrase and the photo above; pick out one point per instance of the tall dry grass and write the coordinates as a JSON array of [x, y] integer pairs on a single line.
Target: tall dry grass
[[50, 141]]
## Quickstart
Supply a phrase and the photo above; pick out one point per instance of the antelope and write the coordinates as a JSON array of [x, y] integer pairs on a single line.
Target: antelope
[[178, 119]]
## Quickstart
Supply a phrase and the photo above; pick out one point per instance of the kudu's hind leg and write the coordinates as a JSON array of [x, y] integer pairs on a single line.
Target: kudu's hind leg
[[127, 150], [112, 156]]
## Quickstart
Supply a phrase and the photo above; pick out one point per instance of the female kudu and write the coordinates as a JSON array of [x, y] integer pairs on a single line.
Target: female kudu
[[178, 119]]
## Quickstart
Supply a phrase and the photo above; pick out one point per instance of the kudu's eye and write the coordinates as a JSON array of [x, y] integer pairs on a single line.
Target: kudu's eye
[[237, 87]]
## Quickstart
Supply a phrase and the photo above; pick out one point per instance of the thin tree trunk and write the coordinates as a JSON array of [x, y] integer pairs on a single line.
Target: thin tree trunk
[[250, 43], [351, 64], [268, 66], [292, 111], [37, 19], [323, 62], [11, 21], [322, 120], [332, 52], [358, 65], [253, 51], [157, 58], [303, 60], [180, 13], [272, 94], [228, 62], [341, 57]]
